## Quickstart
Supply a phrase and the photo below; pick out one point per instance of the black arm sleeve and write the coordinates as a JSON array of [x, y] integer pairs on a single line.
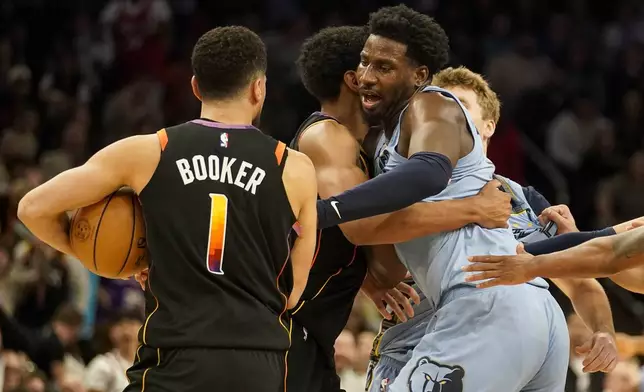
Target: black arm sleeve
[[424, 174]]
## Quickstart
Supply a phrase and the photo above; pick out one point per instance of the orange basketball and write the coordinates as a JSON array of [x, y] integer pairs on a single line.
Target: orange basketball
[[109, 237]]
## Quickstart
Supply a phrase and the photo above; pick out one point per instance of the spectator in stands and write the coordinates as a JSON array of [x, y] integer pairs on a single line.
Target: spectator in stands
[[625, 377], [345, 354], [47, 348], [621, 197], [106, 372], [364, 343]]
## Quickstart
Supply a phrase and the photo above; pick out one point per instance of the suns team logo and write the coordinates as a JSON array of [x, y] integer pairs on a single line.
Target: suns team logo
[[223, 140]]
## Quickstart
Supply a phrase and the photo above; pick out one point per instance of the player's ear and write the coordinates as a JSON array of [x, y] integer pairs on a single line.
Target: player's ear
[[351, 80], [258, 89], [195, 88], [488, 129], [421, 76]]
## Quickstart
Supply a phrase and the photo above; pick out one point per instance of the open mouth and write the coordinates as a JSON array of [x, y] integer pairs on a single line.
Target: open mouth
[[370, 100]]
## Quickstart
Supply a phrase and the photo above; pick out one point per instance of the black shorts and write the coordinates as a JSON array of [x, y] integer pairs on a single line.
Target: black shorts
[[309, 369], [206, 370]]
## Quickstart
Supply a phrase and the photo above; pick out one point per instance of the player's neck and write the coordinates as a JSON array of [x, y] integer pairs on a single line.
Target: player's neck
[[348, 111], [229, 112]]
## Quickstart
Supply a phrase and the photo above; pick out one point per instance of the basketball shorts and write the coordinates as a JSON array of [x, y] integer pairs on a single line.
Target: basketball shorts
[[206, 370], [382, 373], [510, 339], [309, 369]]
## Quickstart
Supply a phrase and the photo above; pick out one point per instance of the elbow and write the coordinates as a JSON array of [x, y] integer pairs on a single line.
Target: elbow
[[28, 209], [584, 289]]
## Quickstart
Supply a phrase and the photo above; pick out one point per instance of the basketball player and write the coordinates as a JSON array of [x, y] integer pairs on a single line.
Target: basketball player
[[215, 315], [619, 257], [473, 335], [332, 138], [393, 346]]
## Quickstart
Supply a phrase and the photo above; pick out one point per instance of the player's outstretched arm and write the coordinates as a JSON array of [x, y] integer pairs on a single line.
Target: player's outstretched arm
[[301, 188], [591, 304], [128, 162], [434, 149], [600, 257]]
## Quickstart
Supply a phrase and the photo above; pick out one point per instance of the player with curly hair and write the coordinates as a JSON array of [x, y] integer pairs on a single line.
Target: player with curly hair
[[332, 139], [430, 150]]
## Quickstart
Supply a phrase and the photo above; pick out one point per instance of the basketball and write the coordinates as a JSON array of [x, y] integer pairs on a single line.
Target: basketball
[[108, 237]]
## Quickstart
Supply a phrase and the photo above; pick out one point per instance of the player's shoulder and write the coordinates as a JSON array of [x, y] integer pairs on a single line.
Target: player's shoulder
[[298, 162], [435, 104], [323, 131], [326, 137]]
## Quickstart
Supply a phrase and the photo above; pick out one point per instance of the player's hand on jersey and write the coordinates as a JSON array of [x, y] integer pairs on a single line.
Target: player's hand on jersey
[[600, 353], [561, 215], [500, 270], [399, 298], [493, 205], [142, 277]]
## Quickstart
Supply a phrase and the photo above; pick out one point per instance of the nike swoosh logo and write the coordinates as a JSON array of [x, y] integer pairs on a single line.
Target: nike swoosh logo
[[333, 204]]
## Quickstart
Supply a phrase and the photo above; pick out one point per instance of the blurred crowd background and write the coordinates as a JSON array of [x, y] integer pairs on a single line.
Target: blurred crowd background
[[76, 75]]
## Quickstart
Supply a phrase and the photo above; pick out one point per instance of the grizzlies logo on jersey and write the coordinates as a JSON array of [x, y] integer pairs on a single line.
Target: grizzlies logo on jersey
[[430, 376]]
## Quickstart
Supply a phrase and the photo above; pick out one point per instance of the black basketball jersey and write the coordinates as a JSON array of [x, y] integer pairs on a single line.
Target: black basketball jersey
[[218, 226], [338, 270]]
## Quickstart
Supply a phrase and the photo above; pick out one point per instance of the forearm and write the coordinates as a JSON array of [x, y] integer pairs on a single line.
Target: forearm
[[389, 192], [591, 304], [51, 229], [384, 267], [631, 279], [596, 258], [421, 219], [301, 265], [565, 241]]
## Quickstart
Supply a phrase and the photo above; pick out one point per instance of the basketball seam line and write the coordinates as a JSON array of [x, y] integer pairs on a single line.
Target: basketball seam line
[[98, 227], [129, 250]]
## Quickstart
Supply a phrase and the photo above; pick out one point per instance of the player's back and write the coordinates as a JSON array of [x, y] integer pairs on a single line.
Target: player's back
[[218, 224], [338, 270], [435, 261]]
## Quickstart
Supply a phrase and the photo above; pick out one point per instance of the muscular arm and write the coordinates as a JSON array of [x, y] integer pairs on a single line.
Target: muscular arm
[[433, 150], [43, 209], [596, 258], [384, 266], [301, 188], [333, 151], [590, 302], [631, 279]]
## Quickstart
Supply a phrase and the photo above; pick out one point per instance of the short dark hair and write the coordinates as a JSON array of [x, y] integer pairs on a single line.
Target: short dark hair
[[225, 59], [427, 42], [326, 56]]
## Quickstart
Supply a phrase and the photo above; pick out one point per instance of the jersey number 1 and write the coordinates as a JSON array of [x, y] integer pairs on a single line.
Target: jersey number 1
[[217, 235]]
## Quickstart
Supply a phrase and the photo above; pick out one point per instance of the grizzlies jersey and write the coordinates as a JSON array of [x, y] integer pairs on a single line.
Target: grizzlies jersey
[[218, 226], [435, 261], [338, 270], [397, 339], [524, 220]]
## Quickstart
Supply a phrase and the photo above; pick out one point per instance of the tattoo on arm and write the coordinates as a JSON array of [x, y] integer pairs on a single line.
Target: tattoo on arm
[[629, 244]]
